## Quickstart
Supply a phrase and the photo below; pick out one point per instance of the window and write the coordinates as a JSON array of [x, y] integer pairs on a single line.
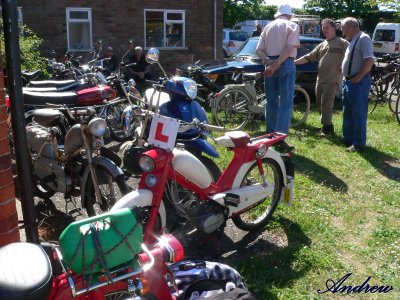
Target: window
[[79, 29], [19, 13], [384, 35], [164, 28]]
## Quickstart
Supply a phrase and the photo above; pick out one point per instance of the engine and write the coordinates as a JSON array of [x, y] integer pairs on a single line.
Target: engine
[[207, 216]]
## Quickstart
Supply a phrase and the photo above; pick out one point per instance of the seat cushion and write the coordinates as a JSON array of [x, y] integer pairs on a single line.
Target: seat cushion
[[25, 272], [233, 139], [51, 83], [42, 98]]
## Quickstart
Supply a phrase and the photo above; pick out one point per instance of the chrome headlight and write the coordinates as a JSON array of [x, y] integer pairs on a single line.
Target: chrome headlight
[[97, 127], [190, 88], [150, 180], [146, 163], [261, 151]]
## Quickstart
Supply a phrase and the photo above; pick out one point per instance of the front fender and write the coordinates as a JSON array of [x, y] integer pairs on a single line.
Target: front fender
[[140, 198], [105, 163]]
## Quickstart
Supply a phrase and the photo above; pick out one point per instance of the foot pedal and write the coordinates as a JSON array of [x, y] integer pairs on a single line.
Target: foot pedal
[[232, 199]]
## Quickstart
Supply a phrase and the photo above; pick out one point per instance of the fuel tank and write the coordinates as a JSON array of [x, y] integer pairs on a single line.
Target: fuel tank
[[73, 139], [95, 95], [189, 166]]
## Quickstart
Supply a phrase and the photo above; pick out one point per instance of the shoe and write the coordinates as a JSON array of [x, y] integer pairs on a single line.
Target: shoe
[[353, 148], [327, 130], [347, 144], [284, 146]]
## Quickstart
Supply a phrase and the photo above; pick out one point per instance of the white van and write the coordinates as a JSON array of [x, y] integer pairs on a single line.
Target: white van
[[386, 38]]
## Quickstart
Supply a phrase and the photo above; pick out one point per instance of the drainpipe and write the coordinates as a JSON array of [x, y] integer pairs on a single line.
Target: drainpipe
[[22, 156], [215, 29]]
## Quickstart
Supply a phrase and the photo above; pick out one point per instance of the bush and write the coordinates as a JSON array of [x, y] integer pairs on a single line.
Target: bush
[[29, 44]]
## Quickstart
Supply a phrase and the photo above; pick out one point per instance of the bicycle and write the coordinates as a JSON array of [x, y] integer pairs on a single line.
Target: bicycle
[[237, 104], [385, 86]]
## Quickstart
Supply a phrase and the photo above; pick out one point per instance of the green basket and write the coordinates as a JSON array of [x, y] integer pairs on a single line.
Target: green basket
[[102, 242]]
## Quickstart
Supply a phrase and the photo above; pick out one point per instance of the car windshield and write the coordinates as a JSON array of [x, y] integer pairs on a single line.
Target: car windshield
[[248, 49], [238, 36]]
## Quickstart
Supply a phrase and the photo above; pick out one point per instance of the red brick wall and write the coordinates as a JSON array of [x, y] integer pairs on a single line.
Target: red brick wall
[[119, 21], [8, 215]]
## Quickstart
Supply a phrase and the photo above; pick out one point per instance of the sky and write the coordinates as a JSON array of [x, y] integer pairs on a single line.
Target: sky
[[292, 3]]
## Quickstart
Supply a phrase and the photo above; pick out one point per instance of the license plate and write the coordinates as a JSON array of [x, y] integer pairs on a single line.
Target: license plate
[[378, 45]]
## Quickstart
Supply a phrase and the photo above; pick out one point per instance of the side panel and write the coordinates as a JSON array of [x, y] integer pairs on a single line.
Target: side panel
[[140, 198]]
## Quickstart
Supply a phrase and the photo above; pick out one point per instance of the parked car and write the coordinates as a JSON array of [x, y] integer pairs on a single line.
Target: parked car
[[220, 71], [233, 40]]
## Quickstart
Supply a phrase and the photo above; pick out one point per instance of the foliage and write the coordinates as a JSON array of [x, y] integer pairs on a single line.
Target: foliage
[[393, 5], [237, 11], [29, 44]]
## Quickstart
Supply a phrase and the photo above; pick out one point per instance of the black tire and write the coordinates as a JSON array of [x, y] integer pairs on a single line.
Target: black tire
[[111, 189], [374, 97], [231, 109], [273, 174], [394, 93], [115, 123], [397, 113], [301, 106], [173, 217]]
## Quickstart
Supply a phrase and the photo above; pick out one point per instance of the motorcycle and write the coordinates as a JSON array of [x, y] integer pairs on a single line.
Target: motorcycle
[[176, 98], [248, 191], [75, 163], [105, 259]]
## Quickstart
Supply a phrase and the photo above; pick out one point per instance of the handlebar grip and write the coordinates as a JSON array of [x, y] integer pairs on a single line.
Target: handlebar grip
[[214, 128]]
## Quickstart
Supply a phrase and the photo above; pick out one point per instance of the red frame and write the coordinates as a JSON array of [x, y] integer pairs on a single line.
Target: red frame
[[164, 170]]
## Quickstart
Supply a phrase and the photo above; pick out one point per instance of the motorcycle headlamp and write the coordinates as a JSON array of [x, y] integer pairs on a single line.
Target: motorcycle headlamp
[[146, 163], [97, 127], [190, 87], [261, 151]]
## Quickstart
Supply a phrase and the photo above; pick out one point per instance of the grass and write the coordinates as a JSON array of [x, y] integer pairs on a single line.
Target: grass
[[345, 217]]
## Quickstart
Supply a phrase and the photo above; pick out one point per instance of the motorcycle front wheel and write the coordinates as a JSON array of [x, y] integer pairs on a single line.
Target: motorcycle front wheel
[[259, 215], [111, 189]]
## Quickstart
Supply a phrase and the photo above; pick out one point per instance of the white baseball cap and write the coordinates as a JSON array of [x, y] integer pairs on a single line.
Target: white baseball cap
[[284, 9]]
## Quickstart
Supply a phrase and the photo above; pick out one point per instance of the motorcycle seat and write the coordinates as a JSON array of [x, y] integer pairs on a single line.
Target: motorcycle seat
[[30, 75], [47, 116], [41, 98], [39, 89], [51, 83], [233, 139], [25, 272]]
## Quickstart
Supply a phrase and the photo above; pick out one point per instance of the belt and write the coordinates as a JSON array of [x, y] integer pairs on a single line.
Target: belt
[[349, 77], [277, 56]]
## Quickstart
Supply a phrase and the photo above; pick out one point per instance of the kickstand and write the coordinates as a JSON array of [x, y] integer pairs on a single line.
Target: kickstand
[[71, 199]]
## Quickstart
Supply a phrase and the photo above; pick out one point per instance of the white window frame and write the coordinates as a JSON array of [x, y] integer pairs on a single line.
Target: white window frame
[[165, 21], [89, 20]]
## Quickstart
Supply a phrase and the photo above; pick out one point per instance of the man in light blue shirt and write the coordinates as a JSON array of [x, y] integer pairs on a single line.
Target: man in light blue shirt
[[356, 66]]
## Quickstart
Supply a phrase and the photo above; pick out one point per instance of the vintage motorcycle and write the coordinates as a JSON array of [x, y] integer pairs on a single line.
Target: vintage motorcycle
[[77, 163], [248, 191]]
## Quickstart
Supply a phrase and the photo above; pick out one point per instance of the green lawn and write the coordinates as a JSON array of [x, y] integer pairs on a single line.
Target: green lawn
[[345, 217]]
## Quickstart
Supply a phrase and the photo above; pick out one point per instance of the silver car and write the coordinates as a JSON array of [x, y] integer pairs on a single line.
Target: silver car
[[233, 40]]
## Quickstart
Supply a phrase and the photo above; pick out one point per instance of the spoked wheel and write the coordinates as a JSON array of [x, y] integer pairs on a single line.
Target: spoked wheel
[[115, 122], [301, 106], [394, 94], [122, 295], [397, 113], [231, 109], [375, 96], [259, 215], [111, 190]]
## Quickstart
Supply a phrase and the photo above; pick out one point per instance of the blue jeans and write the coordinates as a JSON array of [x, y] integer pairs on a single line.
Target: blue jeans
[[355, 111], [279, 90]]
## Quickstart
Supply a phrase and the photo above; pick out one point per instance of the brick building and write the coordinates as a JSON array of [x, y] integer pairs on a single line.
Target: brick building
[[182, 30]]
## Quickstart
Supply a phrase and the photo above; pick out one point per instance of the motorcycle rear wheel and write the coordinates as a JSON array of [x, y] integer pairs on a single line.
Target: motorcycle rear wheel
[[258, 216], [111, 188]]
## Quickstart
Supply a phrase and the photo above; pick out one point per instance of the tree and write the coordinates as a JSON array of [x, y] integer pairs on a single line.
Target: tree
[[393, 5]]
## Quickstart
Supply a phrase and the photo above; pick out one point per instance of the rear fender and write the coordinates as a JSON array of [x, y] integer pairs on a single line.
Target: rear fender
[[140, 198]]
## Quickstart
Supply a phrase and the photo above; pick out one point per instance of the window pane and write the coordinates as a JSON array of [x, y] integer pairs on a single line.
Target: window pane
[[174, 35], [384, 35], [79, 36], [238, 35], [175, 16], [154, 29], [83, 15]]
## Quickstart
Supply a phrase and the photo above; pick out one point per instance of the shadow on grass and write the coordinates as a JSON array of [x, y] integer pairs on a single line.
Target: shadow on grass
[[319, 174], [385, 164]]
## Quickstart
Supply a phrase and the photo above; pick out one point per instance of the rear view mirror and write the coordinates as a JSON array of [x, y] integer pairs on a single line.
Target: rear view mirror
[[152, 56]]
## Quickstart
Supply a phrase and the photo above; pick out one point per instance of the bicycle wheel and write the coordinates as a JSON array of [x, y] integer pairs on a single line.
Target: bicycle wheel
[[301, 106], [374, 97], [394, 94], [397, 113], [259, 215], [231, 109], [111, 190]]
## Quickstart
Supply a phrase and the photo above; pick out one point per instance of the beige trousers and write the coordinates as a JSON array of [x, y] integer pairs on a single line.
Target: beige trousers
[[325, 97]]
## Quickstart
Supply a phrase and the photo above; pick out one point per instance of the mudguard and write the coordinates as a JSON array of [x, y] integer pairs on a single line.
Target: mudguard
[[140, 198], [106, 163]]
